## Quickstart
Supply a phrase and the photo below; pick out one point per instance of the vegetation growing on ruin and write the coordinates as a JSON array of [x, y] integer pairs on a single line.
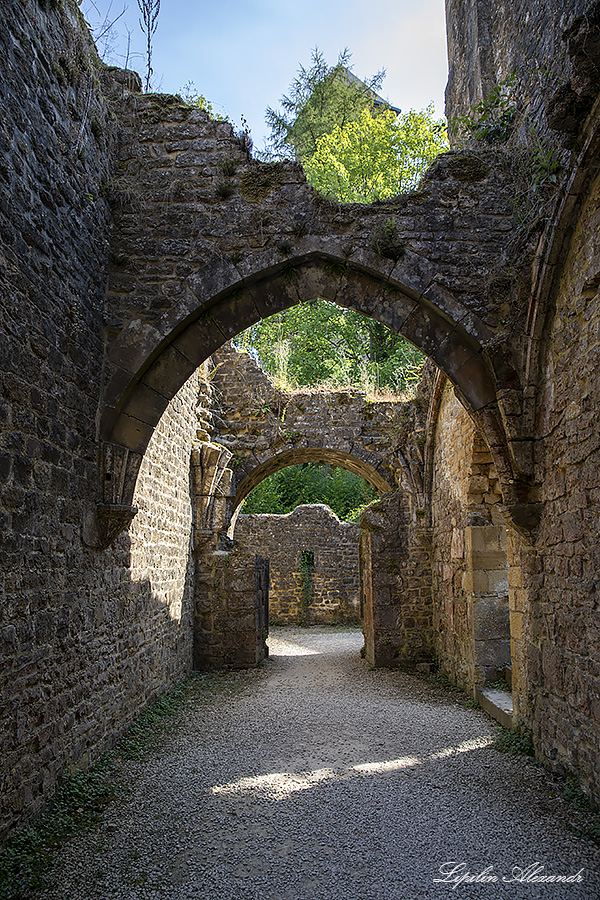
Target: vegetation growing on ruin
[[354, 146], [344, 492], [376, 157], [517, 740], [321, 343], [492, 120]]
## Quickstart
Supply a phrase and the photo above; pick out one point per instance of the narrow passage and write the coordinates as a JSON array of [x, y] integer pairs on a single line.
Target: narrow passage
[[322, 779]]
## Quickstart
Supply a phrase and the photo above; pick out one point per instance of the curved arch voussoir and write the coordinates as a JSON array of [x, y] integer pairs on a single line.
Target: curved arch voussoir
[[321, 455]]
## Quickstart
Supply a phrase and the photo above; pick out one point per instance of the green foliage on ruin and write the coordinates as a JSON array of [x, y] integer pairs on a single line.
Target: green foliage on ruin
[[192, 96], [353, 146], [376, 157], [343, 491], [307, 567], [517, 740], [492, 120], [322, 344]]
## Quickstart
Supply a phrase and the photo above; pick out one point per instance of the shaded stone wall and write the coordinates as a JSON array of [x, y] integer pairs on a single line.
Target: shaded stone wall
[[561, 594], [491, 40], [87, 638], [395, 586], [230, 606], [325, 593]]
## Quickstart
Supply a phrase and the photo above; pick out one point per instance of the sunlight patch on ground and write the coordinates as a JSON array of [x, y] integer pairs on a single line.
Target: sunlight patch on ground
[[287, 648], [388, 765], [279, 785], [465, 747]]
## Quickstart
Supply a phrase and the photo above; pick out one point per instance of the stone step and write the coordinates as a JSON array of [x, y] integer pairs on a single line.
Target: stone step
[[497, 703]]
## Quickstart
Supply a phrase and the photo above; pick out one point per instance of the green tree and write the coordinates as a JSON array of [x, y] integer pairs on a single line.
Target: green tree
[[320, 343], [376, 156], [280, 493], [321, 97]]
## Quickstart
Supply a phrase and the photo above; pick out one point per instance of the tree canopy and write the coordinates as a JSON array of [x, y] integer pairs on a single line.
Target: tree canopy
[[354, 149], [321, 97], [344, 492], [320, 343], [376, 156]]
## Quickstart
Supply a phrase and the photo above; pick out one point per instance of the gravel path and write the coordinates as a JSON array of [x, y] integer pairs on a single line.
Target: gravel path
[[321, 780]]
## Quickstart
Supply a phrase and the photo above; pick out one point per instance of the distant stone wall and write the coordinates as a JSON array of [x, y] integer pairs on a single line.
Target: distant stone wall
[[264, 427], [323, 592]]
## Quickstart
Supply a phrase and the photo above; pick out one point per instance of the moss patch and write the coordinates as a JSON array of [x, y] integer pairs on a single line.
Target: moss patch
[[258, 182], [465, 167]]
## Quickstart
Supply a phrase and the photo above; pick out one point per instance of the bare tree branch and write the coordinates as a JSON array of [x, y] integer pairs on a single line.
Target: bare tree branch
[[149, 23]]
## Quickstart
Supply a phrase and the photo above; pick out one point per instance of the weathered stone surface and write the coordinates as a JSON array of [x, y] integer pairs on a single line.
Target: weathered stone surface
[[322, 593], [395, 587], [470, 568], [231, 603], [266, 429], [89, 637]]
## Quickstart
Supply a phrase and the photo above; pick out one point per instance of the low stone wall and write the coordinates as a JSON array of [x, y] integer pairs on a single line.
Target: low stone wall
[[313, 561]]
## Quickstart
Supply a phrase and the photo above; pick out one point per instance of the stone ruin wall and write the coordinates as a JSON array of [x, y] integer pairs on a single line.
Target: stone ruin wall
[[395, 586], [87, 637], [561, 593], [453, 440], [258, 421], [106, 640], [470, 568], [554, 583], [333, 596], [492, 40], [230, 623]]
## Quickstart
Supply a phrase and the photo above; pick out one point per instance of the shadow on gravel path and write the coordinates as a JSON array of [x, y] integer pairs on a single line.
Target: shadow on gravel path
[[316, 778]]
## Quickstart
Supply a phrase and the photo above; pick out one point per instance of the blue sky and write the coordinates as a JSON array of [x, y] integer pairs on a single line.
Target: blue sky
[[243, 54]]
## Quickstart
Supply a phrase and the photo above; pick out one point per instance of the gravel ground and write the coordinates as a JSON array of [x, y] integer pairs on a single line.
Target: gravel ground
[[319, 779]]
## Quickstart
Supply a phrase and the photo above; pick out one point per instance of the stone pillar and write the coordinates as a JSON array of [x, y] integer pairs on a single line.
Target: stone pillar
[[518, 603], [395, 587], [231, 587], [486, 587]]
